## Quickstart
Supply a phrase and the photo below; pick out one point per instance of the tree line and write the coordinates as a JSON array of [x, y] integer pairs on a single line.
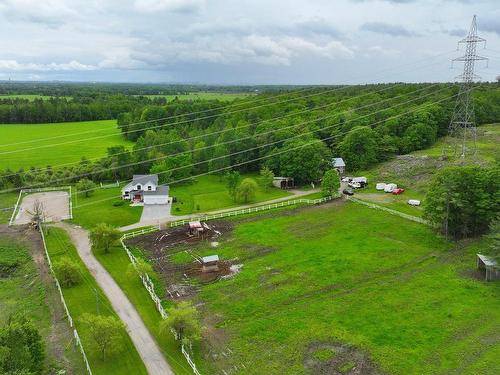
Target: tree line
[[361, 124]]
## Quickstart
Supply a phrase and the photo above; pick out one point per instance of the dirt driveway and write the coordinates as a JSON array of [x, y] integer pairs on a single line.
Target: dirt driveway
[[55, 206]]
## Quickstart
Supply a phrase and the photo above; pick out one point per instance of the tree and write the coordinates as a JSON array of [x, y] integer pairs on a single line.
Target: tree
[[106, 331], [67, 273], [85, 187], [494, 237], [304, 160], [247, 189], [267, 177], [232, 180], [463, 201], [183, 318], [103, 236], [359, 148], [330, 183], [141, 268], [21, 348]]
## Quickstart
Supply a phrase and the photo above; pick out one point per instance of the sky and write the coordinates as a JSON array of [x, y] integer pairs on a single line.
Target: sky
[[243, 41]]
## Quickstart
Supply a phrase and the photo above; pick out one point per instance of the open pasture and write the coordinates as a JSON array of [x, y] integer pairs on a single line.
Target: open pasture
[[341, 287], [40, 145]]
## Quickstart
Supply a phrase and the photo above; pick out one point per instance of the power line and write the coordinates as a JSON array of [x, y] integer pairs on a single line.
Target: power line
[[189, 114], [240, 139]]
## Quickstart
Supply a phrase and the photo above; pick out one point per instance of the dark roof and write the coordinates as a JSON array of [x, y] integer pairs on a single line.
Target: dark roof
[[144, 178], [160, 190]]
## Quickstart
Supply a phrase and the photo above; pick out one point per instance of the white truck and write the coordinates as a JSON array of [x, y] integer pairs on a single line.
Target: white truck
[[390, 187]]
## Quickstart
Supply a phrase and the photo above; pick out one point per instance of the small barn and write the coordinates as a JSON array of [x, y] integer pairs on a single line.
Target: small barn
[[210, 263], [284, 182], [488, 267], [339, 165]]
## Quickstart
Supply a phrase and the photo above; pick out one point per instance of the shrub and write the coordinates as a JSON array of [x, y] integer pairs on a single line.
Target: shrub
[[67, 273]]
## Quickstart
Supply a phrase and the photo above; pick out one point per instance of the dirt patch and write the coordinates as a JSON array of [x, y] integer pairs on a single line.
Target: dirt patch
[[181, 279], [55, 206], [327, 358]]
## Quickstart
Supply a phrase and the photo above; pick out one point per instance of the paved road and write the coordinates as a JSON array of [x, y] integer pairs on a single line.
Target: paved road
[[145, 344], [170, 217], [155, 213]]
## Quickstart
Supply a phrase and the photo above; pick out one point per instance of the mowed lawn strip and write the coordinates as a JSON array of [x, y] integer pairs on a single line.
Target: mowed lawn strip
[[210, 193], [68, 147], [351, 275], [7, 202], [116, 263], [24, 293], [87, 297], [104, 206]]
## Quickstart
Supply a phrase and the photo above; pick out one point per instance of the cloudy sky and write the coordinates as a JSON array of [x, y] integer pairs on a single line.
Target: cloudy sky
[[242, 41]]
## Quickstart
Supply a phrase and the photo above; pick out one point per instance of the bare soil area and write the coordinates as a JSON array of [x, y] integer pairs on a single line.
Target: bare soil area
[[55, 207], [329, 358]]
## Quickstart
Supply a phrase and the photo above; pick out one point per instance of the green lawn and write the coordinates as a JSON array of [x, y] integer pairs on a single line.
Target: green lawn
[[116, 263], [87, 297], [104, 206], [7, 202], [344, 275], [26, 145], [24, 293], [210, 193], [203, 96]]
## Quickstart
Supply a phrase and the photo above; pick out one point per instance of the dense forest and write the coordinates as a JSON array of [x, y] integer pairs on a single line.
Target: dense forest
[[294, 133]]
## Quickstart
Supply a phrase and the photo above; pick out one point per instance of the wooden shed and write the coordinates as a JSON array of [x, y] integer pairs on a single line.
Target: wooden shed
[[284, 182], [210, 263], [488, 267]]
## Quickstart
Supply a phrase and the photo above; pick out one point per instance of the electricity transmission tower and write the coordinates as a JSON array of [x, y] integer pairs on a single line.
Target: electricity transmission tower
[[462, 128]]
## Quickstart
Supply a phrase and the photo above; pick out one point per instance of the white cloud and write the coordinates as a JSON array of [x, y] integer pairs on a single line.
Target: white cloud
[[176, 6], [13, 65]]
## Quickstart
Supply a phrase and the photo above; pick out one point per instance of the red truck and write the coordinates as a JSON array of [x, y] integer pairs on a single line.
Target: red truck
[[398, 191]]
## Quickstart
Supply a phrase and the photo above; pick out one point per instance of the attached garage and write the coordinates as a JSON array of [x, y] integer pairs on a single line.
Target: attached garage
[[160, 196]]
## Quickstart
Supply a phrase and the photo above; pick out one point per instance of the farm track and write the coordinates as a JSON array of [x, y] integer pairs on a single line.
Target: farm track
[[145, 343]]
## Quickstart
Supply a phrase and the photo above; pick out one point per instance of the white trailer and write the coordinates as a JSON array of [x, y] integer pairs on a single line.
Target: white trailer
[[390, 187]]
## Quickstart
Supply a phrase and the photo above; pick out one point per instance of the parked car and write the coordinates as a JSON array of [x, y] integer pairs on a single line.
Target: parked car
[[380, 186], [398, 191], [390, 187], [346, 179], [414, 202], [354, 185], [347, 192]]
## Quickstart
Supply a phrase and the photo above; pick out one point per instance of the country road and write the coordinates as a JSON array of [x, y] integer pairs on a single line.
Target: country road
[[145, 344]]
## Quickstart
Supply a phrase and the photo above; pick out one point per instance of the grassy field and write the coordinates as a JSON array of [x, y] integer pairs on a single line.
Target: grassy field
[[116, 263], [203, 96], [23, 145], [209, 193], [24, 292], [87, 297], [342, 285], [30, 97], [88, 212], [7, 202], [415, 171]]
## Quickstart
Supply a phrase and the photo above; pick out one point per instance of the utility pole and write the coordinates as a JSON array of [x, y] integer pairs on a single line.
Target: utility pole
[[462, 128]]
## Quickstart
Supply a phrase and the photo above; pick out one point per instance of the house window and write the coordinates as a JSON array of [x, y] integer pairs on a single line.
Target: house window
[[139, 187], [149, 187]]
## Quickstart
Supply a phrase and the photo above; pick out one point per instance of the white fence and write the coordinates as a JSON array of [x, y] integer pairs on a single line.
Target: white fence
[[70, 319], [391, 211], [252, 210], [41, 190], [149, 285]]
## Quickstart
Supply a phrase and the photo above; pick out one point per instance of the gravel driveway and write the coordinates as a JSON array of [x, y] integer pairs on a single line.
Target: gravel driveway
[[145, 344]]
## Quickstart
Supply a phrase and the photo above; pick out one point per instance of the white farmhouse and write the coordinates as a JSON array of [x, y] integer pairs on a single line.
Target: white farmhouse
[[144, 188]]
